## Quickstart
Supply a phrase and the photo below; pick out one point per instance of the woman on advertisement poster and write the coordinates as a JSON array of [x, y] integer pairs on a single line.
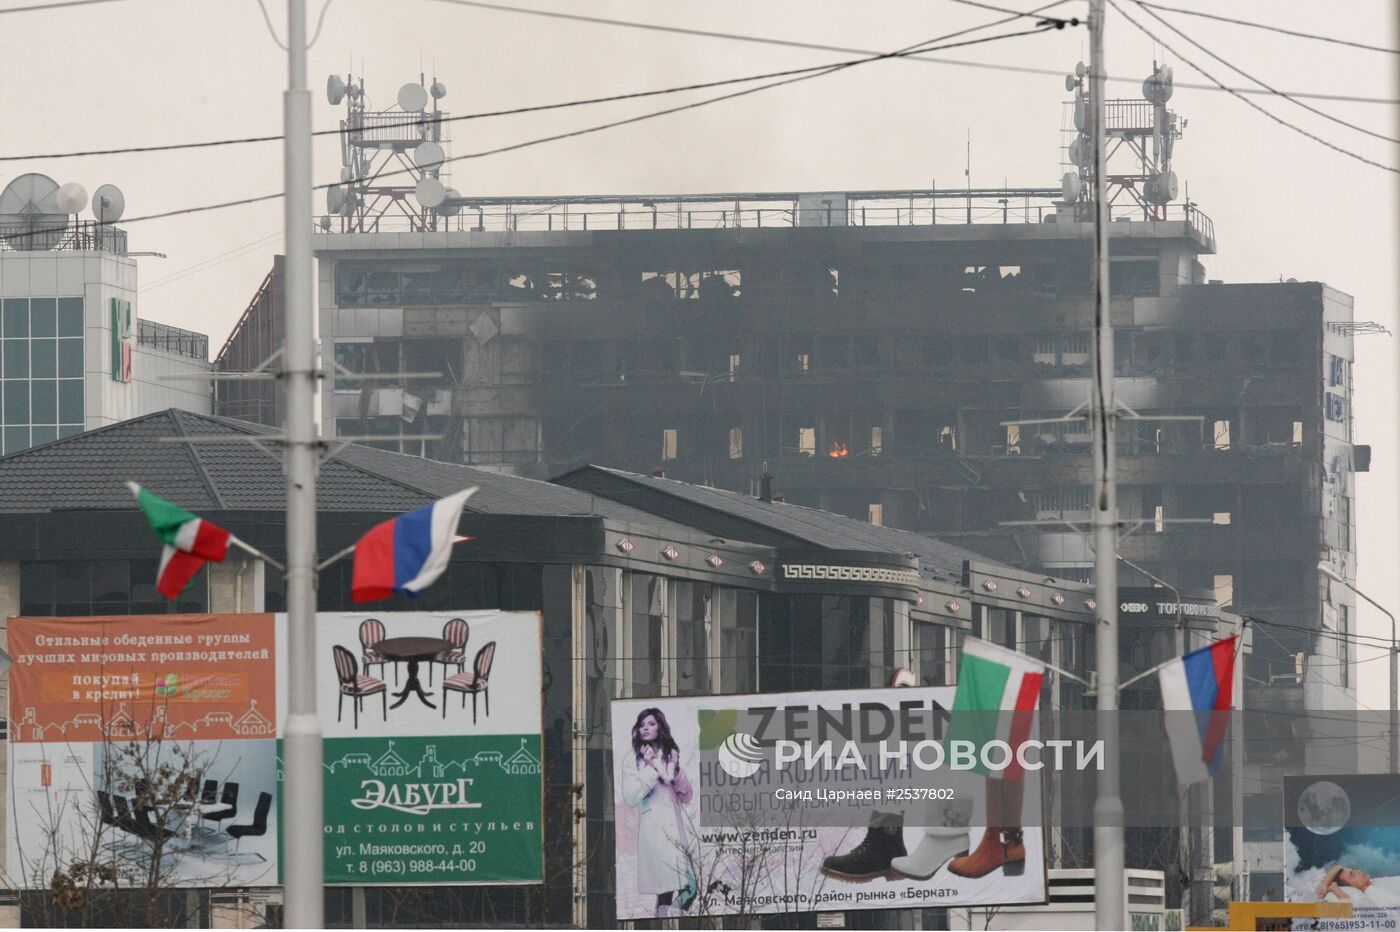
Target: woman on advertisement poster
[[656, 784]]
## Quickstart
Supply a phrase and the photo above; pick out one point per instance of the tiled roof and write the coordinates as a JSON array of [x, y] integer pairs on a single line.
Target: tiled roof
[[800, 525], [88, 472]]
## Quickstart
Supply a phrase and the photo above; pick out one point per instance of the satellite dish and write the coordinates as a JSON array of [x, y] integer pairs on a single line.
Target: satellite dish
[[325, 223], [71, 198], [1157, 88], [430, 192], [428, 155], [30, 202], [412, 98], [335, 199], [450, 210], [438, 90], [335, 89], [1080, 153], [1161, 189], [1081, 114], [1070, 186], [1080, 71], [108, 202], [1071, 82], [346, 173]]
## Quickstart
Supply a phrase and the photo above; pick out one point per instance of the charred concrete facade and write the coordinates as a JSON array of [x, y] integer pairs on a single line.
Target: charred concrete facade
[[869, 350]]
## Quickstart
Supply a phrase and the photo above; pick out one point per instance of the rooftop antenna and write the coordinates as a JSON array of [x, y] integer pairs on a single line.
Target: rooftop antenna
[[967, 174]]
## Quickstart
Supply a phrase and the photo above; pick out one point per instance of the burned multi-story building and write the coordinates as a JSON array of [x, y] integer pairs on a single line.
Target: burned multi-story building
[[919, 358]]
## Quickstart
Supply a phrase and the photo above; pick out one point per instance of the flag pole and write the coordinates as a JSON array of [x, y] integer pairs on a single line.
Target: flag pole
[[256, 553]]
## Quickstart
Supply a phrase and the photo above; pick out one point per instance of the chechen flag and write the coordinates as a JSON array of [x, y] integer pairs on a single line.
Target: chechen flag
[[998, 691], [1201, 682], [408, 553], [190, 541]]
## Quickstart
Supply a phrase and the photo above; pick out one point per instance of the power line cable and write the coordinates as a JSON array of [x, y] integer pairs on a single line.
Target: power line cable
[[806, 75], [1298, 103], [634, 95], [1273, 116], [40, 7], [420, 121], [792, 43], [1270, 27], [1058, 22]]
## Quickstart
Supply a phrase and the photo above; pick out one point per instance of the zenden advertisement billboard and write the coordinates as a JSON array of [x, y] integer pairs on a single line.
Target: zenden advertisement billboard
[[148, 748], [812, 801]]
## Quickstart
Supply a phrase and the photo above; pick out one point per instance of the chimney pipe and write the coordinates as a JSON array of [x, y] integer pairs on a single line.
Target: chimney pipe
[[765, 485]]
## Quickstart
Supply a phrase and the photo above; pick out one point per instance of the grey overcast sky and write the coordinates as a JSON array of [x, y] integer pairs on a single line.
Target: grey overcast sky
[[138, 72]]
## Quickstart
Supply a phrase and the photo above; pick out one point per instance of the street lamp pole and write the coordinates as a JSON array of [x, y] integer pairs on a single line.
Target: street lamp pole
[[301, 801], [1110, 899], [1330, 571]]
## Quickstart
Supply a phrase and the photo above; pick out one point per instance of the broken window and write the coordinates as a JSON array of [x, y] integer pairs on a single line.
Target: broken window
[[1297, 433], [669, 439], [736, 443], [948, 436], [877, 440], [719, 284], [1013, 439], [797, 353], [735, 361], [539, 284], [378, 357], [1221, 433], [1220, 517], [1224, 587], [876, 513], [436, 362], [807, 441]]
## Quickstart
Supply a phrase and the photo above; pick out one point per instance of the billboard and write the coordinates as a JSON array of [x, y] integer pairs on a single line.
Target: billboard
[[436, 777], [149, 746], [793, 802], [118, 725], [1342, 845]]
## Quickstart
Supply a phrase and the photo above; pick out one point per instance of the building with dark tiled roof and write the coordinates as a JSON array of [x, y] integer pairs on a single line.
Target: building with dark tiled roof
[[647, 586]]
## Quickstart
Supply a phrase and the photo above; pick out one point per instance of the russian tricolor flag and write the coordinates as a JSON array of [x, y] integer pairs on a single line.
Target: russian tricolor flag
[[1201, 682], [408, 553]]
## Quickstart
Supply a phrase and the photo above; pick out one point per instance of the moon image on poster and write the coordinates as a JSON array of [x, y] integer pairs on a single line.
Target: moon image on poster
[[1324, 807]]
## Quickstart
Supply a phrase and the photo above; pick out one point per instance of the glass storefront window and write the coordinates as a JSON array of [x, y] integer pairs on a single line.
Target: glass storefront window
[[648, 647], [693, 620], [738, 641], [103, 587], [931, 654]]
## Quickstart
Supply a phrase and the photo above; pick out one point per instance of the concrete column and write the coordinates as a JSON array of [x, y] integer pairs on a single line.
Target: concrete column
[[236, 585]]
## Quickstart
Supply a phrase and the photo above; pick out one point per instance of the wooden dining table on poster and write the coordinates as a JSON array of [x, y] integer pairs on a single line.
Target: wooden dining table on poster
[[412, 651]]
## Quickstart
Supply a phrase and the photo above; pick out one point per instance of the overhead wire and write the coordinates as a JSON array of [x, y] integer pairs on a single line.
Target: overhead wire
[[1270, 27], [419, 121], [634, 95], [807, 74], [1293, 100], [1273, 116], [791, 43]]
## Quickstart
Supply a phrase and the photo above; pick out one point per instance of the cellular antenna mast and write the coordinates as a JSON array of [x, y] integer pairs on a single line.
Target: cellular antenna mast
[[407, 141]]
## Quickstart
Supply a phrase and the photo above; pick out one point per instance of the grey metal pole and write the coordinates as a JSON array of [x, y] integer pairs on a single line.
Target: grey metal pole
[[1188, 853], [1109, 898], [301, 796]]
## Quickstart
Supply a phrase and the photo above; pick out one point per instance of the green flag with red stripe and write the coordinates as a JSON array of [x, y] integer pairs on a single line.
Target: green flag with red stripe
[[190, 541], [997, 694]]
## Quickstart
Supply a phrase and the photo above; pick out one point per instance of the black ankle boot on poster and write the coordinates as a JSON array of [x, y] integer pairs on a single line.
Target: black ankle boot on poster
[[883, 842]]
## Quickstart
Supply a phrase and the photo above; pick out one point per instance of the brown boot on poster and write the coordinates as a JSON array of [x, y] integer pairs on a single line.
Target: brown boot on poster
[[1000, 847]]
